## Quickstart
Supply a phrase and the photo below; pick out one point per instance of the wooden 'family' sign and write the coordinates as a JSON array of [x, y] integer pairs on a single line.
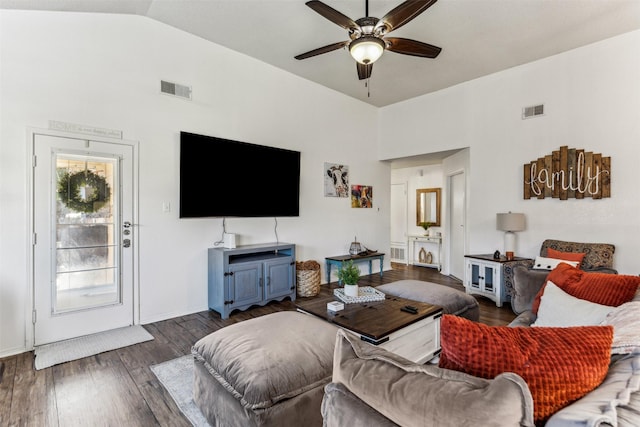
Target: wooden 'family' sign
[[568, 173]]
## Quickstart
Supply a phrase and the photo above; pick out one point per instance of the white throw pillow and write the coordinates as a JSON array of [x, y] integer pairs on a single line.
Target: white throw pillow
[[625, 320], [559, 309], [543, 263]]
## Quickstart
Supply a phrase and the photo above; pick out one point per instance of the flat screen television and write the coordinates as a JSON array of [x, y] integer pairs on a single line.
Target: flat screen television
[[224, 178]]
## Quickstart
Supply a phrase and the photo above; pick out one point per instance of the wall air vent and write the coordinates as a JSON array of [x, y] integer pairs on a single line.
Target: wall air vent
[[175, 89], [398, 254], [533, 111]]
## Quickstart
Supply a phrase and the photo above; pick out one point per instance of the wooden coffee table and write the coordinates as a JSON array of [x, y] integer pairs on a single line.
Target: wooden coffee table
[[413, 336]]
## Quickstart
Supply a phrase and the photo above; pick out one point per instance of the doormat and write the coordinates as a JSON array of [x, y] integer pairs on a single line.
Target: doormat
[[176, 376], [89, 345]]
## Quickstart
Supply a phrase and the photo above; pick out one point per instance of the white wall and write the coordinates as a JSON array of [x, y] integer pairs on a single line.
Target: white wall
[[104, 70], [592, 101]]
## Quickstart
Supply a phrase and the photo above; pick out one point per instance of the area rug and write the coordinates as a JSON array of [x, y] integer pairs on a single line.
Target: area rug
[[176, 376], [76, 348]]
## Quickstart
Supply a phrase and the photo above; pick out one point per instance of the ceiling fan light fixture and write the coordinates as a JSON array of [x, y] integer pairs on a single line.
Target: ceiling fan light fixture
[[366, 49]]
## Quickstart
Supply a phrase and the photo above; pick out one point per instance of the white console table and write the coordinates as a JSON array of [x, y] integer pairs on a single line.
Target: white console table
[[432, 244]]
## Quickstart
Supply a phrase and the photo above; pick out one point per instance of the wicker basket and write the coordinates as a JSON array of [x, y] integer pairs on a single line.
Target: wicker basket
[[308, 278]]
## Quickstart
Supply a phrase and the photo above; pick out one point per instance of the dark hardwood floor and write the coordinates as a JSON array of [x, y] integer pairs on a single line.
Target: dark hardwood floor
[[117, 388]]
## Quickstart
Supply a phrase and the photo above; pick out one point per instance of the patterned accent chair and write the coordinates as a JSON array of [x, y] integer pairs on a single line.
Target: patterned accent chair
[[599, 256]]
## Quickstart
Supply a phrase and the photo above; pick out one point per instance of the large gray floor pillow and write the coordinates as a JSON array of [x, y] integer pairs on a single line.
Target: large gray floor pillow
[[409, 394], [451, 300], [265, 360]]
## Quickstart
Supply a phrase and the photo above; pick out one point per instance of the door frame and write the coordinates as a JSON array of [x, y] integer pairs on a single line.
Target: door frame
[[30, 304], [404, 227], [449, 214]]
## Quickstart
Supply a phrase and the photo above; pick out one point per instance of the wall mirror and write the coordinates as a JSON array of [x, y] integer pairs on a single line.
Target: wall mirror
[[428, 205]]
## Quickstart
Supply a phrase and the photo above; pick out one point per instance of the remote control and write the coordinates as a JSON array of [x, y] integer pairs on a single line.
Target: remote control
[[409, 310]]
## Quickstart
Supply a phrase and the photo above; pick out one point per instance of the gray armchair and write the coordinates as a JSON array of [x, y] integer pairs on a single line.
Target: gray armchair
[[598, 257], [526, 282]]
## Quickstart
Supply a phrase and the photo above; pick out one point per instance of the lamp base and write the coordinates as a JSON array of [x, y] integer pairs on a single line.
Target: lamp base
[[509, 243]]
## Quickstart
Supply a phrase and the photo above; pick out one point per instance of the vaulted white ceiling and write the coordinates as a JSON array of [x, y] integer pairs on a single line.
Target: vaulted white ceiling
[[477, 37]]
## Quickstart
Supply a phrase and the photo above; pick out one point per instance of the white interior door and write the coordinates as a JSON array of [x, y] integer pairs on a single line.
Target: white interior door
[[399, 222], [456, 224], [83, 257]]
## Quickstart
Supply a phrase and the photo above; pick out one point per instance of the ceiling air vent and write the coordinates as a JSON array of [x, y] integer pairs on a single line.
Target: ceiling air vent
[[175, 89], [534, 111]]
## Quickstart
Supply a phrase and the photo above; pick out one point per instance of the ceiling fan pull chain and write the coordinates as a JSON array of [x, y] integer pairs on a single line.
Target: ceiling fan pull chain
[[368, 86]]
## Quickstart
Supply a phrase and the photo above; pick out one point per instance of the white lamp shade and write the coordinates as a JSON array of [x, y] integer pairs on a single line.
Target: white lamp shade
[[366, 49], [510, 221]]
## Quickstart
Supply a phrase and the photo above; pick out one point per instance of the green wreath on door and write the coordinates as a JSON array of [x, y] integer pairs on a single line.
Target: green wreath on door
[[95, 195]]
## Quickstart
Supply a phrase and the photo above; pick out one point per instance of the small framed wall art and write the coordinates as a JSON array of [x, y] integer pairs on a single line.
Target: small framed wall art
[[361, 196], [336, 180]]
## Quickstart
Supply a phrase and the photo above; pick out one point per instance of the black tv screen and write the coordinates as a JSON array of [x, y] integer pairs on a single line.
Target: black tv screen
[[224, 178]]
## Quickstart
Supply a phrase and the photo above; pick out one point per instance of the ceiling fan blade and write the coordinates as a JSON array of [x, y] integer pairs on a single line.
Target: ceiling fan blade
[[364, 71], [321, 50], [412, 47], [333, 15], [404, 13]]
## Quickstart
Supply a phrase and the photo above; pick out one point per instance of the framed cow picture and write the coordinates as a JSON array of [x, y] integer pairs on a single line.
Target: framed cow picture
[[336, 180]]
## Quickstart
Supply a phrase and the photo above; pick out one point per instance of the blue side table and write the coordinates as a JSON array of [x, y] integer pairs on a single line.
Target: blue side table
[[338, 260]]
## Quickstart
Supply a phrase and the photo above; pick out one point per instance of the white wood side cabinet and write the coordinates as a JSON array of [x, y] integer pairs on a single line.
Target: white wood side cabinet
[[484, 275]]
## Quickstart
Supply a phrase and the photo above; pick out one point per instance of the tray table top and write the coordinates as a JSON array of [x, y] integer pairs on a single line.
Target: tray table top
[[374, 320]]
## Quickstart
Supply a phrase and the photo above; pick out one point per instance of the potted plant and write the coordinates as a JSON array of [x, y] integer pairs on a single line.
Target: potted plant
[[349, 274], [426, 226]]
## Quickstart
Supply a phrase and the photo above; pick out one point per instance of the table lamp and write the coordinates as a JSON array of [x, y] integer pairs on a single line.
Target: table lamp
[[510, 222]]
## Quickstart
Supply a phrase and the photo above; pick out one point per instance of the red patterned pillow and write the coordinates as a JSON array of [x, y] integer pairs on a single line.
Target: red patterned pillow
[[567, 256], [560, 365], [602, 288]]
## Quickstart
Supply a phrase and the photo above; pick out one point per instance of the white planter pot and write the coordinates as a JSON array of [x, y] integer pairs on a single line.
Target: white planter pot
[[351, 290]]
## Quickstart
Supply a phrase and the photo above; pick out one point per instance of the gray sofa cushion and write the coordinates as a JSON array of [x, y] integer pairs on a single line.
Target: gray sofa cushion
[[526, 285], [426, 395], [340, 407], [270, 358]]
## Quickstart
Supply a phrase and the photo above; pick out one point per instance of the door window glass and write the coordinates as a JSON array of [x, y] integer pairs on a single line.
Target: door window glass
[[86, 253]]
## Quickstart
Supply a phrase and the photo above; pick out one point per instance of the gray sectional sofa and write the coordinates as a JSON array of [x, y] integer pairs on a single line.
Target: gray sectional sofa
[[373, 387]]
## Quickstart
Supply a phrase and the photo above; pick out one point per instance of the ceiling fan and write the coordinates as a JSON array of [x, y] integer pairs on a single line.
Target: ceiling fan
[[367, 36]]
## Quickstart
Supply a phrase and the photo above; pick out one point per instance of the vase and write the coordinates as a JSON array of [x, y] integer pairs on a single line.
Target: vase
[[351, 290]]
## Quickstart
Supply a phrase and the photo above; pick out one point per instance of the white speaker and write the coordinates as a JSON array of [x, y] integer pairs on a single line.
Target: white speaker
[[229, 240]]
